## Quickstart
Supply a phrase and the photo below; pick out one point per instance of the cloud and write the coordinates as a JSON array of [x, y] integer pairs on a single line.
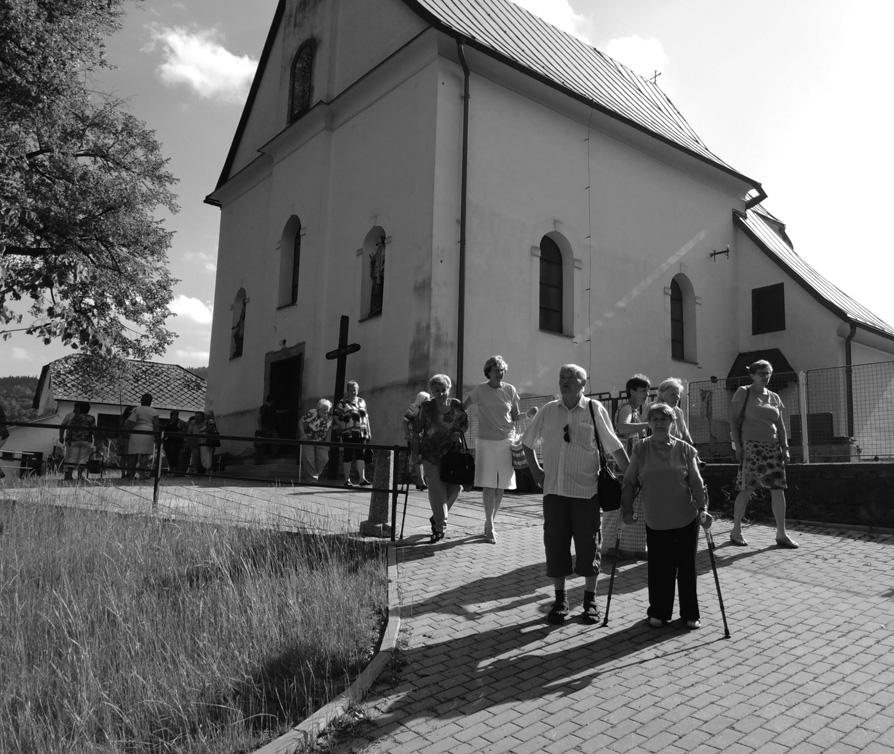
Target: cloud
[[20, 354], [190, 358], [645, 56], [559, 13], [196, 59], [191, 308]]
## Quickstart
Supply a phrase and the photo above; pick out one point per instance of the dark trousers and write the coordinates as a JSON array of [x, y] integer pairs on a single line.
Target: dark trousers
[[672, 559], [567, 520]]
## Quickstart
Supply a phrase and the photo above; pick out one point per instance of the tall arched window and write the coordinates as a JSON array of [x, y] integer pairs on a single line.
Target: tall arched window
[[682, 319], [551, 286], [301, 89], [237, 329], [289, 262], [677, 327]]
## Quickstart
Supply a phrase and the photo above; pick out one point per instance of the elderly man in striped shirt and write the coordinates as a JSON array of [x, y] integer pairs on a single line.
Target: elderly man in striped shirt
[[566, 430]]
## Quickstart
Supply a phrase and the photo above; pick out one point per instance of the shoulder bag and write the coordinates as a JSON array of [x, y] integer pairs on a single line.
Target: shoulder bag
[[458, 465], [608, 486]]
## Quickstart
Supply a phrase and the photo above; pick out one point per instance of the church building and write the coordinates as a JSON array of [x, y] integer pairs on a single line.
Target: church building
[[460, 178]]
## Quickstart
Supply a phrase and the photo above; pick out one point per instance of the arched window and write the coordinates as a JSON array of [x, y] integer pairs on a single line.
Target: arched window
[[289, 262], [301, 89], [373, 283], [552, 285], [682, 319], [677, 328], [237, 330]]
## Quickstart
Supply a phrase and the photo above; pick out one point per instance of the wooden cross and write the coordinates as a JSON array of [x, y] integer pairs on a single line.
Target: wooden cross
[[340, 355]]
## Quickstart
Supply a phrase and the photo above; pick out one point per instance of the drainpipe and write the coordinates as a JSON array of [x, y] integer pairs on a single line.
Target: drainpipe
[[849, 379], [461, 302]]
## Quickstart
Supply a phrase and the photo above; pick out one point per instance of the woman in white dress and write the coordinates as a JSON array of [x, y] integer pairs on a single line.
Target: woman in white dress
[[497, 403]]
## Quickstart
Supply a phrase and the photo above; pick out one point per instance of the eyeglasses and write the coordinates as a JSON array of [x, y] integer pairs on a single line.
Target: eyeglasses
[[567, 436]]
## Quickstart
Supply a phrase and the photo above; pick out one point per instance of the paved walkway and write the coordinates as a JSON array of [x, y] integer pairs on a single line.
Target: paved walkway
[[809, 666]]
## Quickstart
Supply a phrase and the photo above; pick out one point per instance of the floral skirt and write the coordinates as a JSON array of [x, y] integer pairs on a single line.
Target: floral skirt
[[763, 467]]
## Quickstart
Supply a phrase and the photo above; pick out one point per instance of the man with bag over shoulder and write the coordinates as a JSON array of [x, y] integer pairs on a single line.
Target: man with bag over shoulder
[[569, 478]]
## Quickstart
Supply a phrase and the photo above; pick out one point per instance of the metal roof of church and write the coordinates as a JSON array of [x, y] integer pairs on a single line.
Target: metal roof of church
[[526, 42], [768, 232], [171, 386], [519, 37]]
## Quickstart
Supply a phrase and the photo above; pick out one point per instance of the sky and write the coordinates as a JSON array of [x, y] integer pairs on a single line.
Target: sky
[[793, 94]]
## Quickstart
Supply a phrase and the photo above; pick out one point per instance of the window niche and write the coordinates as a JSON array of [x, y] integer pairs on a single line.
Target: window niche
[[373, 256], [301, 83], [290, 262]]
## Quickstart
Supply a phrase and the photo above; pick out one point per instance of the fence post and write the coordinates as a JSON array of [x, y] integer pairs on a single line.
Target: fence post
[[159, 441], [802, 403], [376, 524]]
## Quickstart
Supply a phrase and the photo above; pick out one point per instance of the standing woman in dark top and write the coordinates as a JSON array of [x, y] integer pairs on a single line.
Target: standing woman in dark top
[[759, 434], [440, 424]]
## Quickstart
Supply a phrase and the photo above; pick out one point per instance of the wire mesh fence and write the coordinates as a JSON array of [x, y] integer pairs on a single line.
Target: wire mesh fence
[[849, 413]]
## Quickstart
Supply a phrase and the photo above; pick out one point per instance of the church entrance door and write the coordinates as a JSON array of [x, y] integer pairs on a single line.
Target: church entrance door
[[285, 389]]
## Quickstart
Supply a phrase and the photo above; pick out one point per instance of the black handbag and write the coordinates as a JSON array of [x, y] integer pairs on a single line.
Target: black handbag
[[458, 466], [608, 486]]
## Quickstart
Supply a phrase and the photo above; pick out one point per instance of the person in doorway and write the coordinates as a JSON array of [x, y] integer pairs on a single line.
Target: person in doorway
[[665, 468], [758, 432], [209, 443], [314, 425], [266, 428], [354, 433], [439, 429], [566, 427], [195, 428], [77, 432], [498, 410]]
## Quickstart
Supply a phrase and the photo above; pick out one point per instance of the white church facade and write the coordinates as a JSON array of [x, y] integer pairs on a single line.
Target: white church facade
[[461, 179]]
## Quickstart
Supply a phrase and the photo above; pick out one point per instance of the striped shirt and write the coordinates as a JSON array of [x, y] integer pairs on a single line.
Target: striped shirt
[[570, 468]]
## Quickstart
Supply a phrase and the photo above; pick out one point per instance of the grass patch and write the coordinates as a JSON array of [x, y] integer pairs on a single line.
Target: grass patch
[[136, 634]]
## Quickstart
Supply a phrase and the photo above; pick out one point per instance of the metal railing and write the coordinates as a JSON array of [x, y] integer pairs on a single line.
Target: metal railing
[[237, 458]]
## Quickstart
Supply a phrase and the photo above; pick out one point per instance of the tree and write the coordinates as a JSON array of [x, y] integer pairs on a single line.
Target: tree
[[83, 256]]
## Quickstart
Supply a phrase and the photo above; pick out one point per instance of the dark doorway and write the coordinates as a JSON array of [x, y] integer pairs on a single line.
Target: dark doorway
[[285, 389]]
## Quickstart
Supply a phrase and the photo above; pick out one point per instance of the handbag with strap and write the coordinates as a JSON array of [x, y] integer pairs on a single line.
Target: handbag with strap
[[608, 486], [458, 465]]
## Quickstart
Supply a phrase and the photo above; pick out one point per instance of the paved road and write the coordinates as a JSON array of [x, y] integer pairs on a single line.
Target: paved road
[[809, 666]]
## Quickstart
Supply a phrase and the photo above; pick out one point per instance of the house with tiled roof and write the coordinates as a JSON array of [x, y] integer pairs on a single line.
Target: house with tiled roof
[[108, 390], [461, 178]]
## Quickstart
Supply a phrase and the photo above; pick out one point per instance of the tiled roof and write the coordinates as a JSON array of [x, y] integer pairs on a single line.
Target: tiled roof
[[769, 234], [526, 41], [75, 378]]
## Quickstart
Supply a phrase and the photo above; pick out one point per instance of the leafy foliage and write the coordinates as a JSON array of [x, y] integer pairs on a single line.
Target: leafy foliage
[[83, 257], [16, 397]]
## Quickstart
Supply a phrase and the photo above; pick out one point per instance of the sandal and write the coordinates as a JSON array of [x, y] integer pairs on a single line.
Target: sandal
[[436, 536], [739, 540], [787, 543]]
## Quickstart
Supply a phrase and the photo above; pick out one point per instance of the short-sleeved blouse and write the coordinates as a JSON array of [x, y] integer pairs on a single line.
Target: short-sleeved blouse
[[494, 410], [439, 432]]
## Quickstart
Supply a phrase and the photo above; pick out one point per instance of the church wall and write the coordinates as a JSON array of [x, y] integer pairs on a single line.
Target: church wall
[[527, 177]]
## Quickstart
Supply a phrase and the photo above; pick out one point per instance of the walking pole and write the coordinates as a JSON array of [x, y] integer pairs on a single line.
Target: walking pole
[[710, 538], [611, 581]]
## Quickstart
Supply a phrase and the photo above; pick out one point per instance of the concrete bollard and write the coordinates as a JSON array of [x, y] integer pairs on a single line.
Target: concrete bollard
[[376, 524]]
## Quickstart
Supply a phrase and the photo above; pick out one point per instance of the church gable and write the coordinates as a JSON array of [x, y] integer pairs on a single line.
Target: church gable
[[315, 50]]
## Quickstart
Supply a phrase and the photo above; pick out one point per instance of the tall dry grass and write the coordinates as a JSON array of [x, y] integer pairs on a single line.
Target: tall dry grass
[[130, 633]]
